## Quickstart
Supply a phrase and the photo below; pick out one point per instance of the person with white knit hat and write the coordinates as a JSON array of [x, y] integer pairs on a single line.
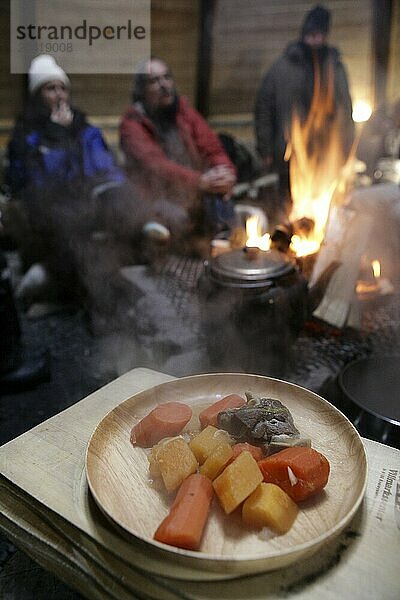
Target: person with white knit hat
[[43, 69], [62, 169], [51, 82], [53, 143]]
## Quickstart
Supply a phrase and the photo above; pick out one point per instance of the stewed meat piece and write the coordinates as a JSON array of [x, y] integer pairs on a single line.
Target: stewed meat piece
[[262, 421]]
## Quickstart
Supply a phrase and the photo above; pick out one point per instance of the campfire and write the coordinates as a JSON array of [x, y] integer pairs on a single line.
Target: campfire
[[318, 168], [319, 174], [323, 235]]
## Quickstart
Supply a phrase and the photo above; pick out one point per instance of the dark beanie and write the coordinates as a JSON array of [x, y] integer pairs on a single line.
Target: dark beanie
[[316, 20]]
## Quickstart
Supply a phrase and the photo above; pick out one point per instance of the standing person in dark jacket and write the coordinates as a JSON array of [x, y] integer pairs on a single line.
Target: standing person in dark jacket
[[71, 186], [177, 161], [289, 86]]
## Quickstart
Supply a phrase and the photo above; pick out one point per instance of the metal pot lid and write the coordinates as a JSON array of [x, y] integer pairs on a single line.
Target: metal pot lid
[[243, 265]]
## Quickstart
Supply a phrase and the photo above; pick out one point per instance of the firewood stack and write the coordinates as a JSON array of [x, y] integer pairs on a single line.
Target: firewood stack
[[367, 224], [371, 218]]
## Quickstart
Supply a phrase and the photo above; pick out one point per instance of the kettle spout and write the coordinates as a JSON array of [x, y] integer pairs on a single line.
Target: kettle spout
[[317, 291]]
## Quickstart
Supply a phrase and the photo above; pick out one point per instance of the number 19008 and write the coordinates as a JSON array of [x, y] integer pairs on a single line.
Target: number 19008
[[56, 47]]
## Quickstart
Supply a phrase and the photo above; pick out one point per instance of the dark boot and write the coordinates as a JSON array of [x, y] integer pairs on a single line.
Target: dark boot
[[17, 371]]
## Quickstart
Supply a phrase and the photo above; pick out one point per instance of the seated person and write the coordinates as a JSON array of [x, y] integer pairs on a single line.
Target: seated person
[[176, 160], [62, 169]]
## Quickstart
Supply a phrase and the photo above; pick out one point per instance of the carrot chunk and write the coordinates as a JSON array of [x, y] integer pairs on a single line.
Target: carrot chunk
[[184, 525], [256, 452], [209, 415], [166, 420], [301, 472]]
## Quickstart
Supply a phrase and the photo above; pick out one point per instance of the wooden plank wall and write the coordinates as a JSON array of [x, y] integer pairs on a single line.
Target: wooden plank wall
[[255, 34], [393, 86], [247, 38], [11, 86], [174, 37]]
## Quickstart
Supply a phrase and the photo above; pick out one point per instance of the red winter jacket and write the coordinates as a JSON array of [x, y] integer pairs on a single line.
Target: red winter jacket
[[146, 160]]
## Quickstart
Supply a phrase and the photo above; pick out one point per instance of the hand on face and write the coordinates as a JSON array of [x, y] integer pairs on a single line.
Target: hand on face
[[62, 114], [55, 96]]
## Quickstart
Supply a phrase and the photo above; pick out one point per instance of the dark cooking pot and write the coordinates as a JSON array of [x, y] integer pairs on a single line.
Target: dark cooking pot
[[253, 304], [370, 391]]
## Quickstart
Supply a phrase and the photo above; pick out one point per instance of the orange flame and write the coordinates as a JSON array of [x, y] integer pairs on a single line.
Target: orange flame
[[317, 163], [254, 237], [376, 268]]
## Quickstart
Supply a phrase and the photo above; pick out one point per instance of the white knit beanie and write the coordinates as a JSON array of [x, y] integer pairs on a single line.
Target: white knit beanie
[[43, 69]]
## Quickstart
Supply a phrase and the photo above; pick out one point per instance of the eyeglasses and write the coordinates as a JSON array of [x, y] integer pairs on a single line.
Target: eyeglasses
[[156, 79]]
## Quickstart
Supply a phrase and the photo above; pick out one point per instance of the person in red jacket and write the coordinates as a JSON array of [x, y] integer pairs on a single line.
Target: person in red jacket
[[176, 161]]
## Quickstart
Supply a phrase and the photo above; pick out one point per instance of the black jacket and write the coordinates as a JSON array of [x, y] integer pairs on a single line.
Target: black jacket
[[289, 84]]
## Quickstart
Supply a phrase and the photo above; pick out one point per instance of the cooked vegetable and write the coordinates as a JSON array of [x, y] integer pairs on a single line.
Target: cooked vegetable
[[183, 526], [173, 460], [258, 421], [254, 473], [300, 472], [166, 420], [209, 415], [205, 442], [237, 481], [280, 442], [256, 452], [269, 506], [217, 460]]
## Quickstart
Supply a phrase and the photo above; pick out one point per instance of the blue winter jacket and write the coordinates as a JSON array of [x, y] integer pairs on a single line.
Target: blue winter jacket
[[75, 158]]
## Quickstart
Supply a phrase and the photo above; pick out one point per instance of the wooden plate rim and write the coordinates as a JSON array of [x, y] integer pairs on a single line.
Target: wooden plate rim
[[227, 559]]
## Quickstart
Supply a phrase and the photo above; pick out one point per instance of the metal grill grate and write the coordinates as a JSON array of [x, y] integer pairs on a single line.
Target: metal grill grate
[[323, 355], [318, 353], [178, 277]]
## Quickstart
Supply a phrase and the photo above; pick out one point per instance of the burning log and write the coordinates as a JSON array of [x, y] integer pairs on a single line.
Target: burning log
[[281, 237], [282, 240], [306, 264], [304, 226]]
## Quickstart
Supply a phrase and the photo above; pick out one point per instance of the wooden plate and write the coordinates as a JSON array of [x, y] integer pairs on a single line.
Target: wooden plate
[[118, 478]]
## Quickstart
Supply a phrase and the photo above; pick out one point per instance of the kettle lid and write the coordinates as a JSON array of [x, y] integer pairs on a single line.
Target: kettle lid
[[248, 264]]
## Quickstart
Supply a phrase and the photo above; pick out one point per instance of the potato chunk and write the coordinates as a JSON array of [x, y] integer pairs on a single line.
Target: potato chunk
[[173, 460], [269, 506], [204, 442], [217, 460], [237, 481]]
